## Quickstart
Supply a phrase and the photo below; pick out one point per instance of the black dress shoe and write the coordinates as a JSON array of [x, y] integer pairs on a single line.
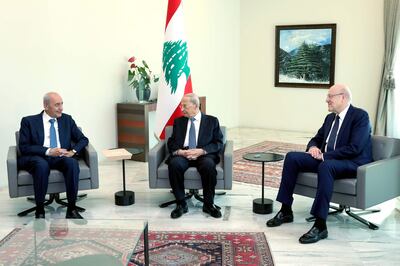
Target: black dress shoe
[[279, 219], [314, 235], [212, 210], [179, 210], [39, 215], [73, 214]]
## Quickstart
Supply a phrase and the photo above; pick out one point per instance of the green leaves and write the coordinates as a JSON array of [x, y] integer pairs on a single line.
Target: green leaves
[[139, 74]]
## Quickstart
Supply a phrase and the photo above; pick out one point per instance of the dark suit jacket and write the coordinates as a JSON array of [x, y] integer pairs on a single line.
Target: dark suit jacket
[[353, 140], [31, 135], [210, 136]]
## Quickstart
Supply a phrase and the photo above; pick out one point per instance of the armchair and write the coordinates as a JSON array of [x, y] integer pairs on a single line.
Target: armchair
[[20, 182], [158, 169], [375, 183]]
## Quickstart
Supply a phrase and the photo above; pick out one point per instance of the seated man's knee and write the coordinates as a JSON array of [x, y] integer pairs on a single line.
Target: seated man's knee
[[71, 162], [326, 166], [40, 164], [177, 162], [207, 164]]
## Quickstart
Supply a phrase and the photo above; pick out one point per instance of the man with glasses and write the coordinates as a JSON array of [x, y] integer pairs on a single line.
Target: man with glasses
[[341, 145]]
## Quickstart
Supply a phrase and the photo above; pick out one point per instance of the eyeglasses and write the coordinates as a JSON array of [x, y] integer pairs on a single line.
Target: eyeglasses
[[330, 96]]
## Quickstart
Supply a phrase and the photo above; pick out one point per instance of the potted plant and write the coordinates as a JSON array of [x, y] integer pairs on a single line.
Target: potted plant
[[139, 79]]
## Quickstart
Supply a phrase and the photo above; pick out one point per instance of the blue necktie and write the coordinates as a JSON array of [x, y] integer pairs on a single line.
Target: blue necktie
[[192, 134], [53, 136], [332, 136]]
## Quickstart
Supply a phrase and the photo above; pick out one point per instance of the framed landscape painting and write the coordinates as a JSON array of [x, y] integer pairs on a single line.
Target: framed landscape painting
[[305, 56]]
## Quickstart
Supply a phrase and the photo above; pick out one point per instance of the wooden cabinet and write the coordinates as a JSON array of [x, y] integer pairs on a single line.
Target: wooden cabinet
[[134, 124]]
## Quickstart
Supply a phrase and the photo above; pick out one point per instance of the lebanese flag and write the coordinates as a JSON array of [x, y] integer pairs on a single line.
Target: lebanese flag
[[175, 79]]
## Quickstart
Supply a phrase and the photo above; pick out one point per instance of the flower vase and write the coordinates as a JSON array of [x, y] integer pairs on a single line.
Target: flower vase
[[142, 92]]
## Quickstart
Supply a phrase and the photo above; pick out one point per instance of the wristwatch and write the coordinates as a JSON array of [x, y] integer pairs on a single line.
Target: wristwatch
[[74, 151]]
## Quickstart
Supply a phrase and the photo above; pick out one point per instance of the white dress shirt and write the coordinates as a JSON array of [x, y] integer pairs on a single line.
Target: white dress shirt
[[46, 126], [197, 120]]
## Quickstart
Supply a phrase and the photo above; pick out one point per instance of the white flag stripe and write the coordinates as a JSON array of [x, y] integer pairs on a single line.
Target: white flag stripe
[[175, 30], [166, 104]]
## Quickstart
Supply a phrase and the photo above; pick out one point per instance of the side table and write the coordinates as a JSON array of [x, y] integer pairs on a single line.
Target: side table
[[262, 205], [124, 197]]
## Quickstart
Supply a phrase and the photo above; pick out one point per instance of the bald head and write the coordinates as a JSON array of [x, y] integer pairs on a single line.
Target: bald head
[[338, 98], [53, 104]]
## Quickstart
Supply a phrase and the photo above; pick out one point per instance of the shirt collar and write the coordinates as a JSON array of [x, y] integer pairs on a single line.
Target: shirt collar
[[343, 113], [46, 117], [197, 117]]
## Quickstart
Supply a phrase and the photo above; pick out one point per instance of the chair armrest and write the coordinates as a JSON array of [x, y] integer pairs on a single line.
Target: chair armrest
[[12, 171], [228, 164], [378, 182], [90, 157], [156, 156]]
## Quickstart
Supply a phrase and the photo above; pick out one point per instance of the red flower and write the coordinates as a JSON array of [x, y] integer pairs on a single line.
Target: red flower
[[133, 66], [132, 59]]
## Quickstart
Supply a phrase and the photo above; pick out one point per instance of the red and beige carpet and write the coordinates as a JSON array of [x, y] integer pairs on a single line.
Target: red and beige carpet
[[250, 172], [166, 248], [206, 248]]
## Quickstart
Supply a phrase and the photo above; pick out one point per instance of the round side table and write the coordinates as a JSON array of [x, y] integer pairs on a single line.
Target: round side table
[[262, 205]]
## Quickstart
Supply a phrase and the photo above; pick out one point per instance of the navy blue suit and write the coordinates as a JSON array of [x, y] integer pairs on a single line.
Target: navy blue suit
[[353, 148], [33, 154], [209, 139]]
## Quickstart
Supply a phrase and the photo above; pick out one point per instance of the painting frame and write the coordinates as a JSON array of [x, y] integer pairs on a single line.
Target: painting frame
[[305, 55]]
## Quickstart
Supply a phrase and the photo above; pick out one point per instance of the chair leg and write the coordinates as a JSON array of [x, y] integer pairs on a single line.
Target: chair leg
[[52, 197], [362, 220], [336, 211], [46, 203], [63, 203], [188, 195]]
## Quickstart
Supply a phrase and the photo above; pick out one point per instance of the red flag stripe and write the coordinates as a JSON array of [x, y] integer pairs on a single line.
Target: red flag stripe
[[172, 7]]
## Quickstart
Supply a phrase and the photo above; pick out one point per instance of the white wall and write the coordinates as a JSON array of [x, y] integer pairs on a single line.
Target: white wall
[[359, 51], [79, 49]]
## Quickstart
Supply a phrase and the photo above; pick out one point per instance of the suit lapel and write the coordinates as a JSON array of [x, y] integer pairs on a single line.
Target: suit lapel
[[184, 126], [40, 128], [60, 122], [345, 123], [202, 128]]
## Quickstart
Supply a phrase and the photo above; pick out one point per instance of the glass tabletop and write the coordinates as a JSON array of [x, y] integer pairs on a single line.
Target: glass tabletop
[[263, 157], [73, 242]]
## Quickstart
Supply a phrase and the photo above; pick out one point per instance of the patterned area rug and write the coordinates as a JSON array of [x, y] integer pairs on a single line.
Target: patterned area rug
[[166, 248], [250, 172], [205, 248]]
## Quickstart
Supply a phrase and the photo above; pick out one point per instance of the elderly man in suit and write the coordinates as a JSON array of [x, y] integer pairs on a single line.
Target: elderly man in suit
[[50, 140], [196, 141], [341, 145]]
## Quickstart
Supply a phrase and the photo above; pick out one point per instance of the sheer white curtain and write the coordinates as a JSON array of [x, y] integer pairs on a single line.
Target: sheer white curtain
[[396, 115]]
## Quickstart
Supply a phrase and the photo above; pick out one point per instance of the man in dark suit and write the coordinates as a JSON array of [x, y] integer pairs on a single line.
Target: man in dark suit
[[341, 145], [196, 141], [50, 140]]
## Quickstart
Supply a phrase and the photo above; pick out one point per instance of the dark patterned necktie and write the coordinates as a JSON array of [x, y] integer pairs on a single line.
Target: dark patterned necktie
[[332, 137], [192, 134]]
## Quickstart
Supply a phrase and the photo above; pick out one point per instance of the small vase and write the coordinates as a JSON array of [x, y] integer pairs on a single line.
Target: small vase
[[142, 92]]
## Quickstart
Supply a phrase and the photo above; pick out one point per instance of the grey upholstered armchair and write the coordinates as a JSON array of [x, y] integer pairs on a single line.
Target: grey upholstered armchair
[[376, 182], [20, 182], [158, 169]]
